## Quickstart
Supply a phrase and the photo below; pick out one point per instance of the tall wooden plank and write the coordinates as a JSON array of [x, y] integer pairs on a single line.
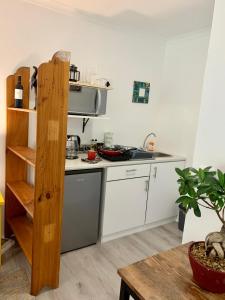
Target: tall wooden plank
[[53, 81]]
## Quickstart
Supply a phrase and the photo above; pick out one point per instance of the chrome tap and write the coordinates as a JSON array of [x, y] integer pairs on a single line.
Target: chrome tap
[[149, 135]]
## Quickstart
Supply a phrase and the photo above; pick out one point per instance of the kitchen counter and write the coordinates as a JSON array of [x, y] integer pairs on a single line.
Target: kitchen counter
[[78, 164]]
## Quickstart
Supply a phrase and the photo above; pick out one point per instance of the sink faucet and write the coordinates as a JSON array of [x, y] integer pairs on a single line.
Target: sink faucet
[[149, 135]]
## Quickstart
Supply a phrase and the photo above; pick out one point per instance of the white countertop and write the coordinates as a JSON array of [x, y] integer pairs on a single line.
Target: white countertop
[[78, 164]]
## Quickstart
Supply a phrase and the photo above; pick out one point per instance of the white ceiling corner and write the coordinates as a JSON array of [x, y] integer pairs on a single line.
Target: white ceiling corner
[[167, 17]]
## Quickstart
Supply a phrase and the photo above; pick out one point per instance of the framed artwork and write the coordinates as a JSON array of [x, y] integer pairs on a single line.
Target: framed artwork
[[141, 92]]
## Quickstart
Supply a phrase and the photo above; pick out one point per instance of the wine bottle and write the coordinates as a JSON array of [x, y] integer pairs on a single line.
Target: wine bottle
[[18, 96]]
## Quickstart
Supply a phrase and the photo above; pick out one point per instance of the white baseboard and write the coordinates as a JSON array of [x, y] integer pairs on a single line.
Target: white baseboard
[[120, 234]]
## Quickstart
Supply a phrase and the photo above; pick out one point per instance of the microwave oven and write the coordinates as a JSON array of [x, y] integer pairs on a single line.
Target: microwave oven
[[88, 101]]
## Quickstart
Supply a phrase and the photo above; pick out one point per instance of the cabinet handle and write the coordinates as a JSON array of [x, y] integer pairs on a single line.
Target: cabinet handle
[[131, 170], [155, 172], [146, 185]]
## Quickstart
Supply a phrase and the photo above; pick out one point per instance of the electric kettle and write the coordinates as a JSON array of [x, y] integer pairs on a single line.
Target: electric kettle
[[72, 146]]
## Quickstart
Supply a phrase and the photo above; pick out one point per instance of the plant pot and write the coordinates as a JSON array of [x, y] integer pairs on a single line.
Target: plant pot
[[207, 279]]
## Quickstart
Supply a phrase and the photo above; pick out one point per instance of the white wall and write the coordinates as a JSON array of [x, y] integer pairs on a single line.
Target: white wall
[[210, 142], [30, 35], [141, 59], [178, 109]]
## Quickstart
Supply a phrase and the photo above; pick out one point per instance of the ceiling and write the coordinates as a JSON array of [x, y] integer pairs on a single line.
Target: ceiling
[[166, 17]]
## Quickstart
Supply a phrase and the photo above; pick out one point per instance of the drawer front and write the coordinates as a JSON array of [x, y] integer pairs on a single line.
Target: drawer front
[[131, 171]]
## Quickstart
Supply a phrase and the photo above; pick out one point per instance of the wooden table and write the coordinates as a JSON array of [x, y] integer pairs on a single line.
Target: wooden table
[[1, 205], [165, 276]]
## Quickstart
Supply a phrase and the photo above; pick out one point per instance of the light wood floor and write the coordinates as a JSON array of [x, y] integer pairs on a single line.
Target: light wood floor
[[89, 273]]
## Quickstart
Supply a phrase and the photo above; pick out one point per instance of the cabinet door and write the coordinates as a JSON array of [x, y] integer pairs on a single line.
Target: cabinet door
[[125, 204], [163, 191]]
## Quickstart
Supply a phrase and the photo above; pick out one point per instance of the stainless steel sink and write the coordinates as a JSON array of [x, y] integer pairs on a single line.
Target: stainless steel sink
[[160, 154], [142, 154]]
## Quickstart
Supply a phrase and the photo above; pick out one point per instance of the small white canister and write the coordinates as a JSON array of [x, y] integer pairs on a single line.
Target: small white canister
[[108, 139]]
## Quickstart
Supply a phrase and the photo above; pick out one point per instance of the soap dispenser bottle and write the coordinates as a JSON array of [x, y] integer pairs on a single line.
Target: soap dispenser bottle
[[152, 143]]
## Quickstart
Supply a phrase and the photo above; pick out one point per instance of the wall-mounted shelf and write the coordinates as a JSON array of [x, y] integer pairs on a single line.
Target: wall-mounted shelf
[[87, 84]]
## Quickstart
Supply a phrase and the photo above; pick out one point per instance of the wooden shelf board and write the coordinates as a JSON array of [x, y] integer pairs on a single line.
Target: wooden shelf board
[[24, 192], [23, 230], [22, 109], [87, 84], [25, 153]]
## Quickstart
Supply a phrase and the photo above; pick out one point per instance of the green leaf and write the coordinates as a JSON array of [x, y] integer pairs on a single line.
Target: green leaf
[[214, 184], [180, 172], [213, 197], [193, 170], [197, 211], [221, 178], [191, 190], [207, 169], [201, 174], [210, 174], [184, 200], [203, 189], [182, 189], [186, 171], [220, 202]]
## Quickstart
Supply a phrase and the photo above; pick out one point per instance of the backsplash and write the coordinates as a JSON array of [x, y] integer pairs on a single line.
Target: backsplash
[[74, 126]]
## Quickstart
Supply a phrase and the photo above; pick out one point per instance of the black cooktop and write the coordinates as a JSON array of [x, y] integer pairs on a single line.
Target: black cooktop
[[126, 153]]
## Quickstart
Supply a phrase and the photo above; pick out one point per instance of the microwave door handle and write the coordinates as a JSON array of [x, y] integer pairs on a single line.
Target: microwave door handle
[[98, 102]]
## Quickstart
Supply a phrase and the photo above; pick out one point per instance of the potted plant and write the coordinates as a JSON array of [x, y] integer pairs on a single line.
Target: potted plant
[[206, 188]]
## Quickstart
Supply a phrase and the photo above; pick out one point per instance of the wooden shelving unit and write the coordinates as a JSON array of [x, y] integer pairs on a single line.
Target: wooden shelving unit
[[36, 210]]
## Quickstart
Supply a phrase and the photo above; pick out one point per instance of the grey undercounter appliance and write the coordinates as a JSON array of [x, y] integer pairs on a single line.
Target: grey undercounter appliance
[[81, 211]]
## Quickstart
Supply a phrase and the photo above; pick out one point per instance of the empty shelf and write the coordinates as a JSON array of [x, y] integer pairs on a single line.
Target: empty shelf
[[23, 230], [25, 153], [24, 192]]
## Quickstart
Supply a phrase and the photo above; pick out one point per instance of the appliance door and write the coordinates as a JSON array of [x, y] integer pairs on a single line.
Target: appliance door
[[82, 196], [87, 101]]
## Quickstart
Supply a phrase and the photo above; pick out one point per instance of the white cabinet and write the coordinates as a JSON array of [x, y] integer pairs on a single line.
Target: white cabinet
[[132, 201], [125, 202], [163, 191]]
